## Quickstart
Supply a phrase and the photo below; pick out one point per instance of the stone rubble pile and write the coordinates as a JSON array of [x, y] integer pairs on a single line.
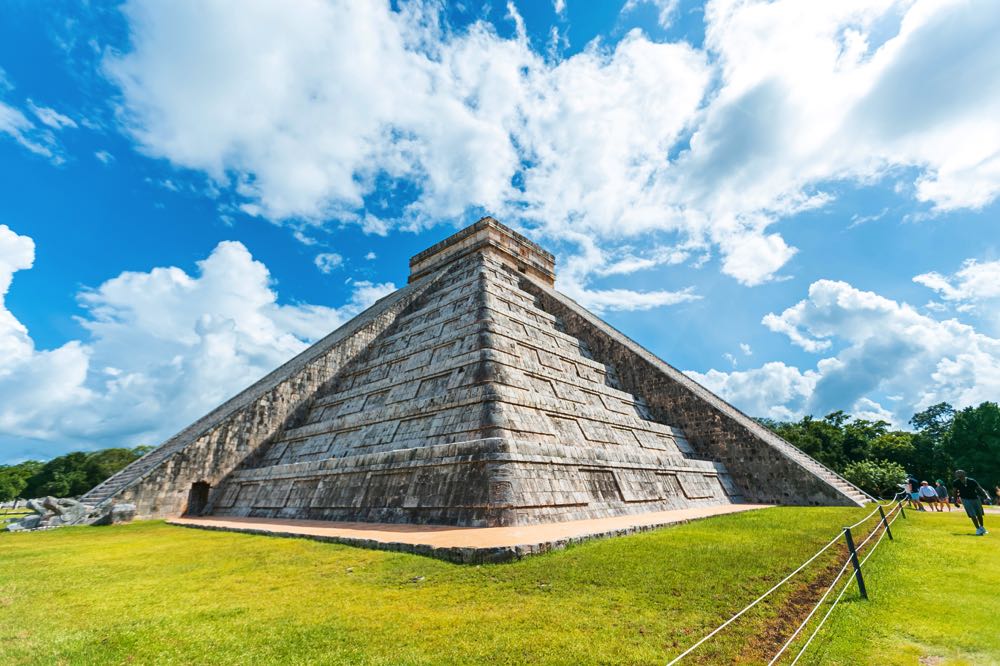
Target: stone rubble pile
[[52, 512]]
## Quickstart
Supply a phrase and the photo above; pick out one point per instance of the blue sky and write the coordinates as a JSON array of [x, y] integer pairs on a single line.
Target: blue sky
[[796, 204]]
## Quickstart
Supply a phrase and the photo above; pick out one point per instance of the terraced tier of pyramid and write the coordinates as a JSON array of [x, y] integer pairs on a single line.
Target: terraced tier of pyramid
[[478, 396]]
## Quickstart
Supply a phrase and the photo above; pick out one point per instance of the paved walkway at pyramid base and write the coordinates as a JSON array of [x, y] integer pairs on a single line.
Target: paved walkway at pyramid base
[[462, 544]]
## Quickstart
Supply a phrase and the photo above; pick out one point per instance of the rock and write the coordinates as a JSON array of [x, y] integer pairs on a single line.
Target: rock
[[50, 512], [28, 523], [122, 513]]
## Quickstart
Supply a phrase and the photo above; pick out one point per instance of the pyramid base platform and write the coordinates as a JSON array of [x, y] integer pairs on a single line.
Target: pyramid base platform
[[466, 545]]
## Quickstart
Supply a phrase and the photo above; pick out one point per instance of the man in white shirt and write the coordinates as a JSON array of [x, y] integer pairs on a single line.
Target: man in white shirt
[[929, 495]]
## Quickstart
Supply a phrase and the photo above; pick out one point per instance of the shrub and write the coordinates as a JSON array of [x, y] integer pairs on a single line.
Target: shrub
[[880, 478]]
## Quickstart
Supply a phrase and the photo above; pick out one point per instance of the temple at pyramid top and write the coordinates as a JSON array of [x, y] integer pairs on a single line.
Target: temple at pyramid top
[[476, 395], [487, 235]]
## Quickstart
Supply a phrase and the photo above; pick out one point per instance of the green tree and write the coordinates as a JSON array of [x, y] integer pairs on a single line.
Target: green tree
[[821, 439], [859, 435], [896, 446], [974, 442], [931, 459], [14, 479], [102, 464], [881, 478], [76, 473], [62, 477]]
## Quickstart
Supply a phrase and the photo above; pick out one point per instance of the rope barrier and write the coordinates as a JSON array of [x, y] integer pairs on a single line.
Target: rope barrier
[[892, 501], [868, 538], [834, 605], [865, 558], [821, 623], [827, 593], [811, 613], [754, 602], [864, 519], [880, 527]]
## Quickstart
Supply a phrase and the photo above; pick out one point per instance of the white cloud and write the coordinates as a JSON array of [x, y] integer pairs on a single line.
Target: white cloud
[[370, 256], [163, 347], [665, 9], [104, 156], [559, 6], [366, 293], [706, 148], [974, 282], [32, 381], [327, 262], [745, 348], [15, 123], [51, 117], [886, 348], [605, 300], [773, 390]]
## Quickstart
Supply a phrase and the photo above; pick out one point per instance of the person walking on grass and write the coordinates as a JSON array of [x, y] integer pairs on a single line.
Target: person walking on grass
[[968, 490], [942, 493]]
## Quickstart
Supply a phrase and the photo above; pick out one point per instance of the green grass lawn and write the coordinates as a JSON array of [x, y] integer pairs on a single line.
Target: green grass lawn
[[934, 598], [153, 593]]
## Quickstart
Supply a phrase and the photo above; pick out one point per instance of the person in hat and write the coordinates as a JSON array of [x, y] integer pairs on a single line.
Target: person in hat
[[929, 496]]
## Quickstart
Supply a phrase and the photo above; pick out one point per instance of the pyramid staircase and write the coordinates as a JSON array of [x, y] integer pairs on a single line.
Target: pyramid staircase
[[476, 395]]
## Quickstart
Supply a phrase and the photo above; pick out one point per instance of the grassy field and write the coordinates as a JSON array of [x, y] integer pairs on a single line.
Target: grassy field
[[934, 599], [153, 593]]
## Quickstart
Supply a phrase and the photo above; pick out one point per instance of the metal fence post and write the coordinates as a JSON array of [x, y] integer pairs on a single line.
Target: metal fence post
[[854, 561], [885, 522]]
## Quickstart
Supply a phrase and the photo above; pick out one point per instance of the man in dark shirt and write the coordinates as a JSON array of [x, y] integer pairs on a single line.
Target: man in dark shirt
[[971, 493]]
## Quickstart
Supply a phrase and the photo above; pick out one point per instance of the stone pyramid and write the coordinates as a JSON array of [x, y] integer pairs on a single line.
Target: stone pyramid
[[477, 395]]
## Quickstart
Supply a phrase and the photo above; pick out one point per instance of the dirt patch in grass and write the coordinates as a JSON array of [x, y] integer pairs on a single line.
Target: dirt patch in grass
[[771, 634], [794, 609]]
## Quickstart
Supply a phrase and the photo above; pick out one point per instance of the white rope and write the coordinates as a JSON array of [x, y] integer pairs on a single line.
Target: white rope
[[821, 623], [868, 538], [834, 605], [754, 602], [897, 509], [879, 504], [865, 559], [811, 613], [864, 519]]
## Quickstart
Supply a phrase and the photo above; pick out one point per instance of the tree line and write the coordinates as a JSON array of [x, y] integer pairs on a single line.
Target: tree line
[[66, 476], [876, 458]]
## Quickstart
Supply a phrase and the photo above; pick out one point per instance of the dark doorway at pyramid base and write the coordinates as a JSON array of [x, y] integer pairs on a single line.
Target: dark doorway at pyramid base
[[197, 499]]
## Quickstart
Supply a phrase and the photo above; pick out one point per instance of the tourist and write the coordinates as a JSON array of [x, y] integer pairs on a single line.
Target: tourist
[[942, 493], [968, 490], [913, 492], [928, 495]]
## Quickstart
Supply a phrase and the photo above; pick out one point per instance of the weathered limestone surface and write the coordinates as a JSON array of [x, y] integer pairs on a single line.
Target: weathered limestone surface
[[765, 467], [160, 483], [474, 409], [479, 396]]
